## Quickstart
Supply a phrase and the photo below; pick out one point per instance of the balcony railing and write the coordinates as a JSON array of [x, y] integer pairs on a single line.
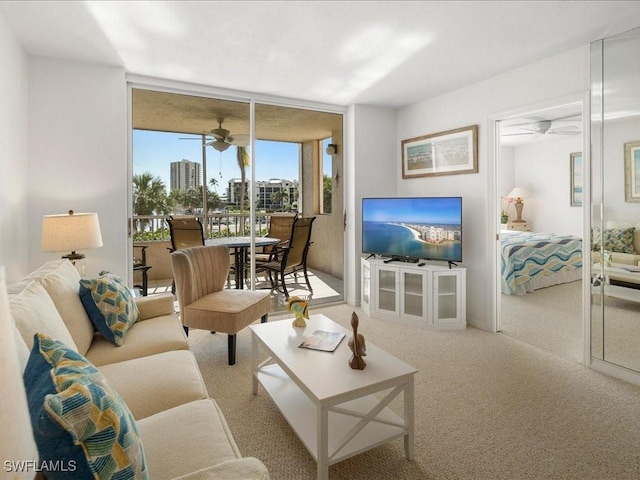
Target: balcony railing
[[154, 227]]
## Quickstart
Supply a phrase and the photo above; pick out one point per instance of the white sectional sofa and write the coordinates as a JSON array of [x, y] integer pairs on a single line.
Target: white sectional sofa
[[182, 431]]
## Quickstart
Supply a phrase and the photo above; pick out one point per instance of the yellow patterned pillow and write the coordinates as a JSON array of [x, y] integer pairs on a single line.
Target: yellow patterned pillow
[[82, 427], [110, 306]]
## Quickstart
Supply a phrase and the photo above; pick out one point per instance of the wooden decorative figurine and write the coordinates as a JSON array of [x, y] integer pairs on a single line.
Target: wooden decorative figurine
[[357, 346], [300, 308]]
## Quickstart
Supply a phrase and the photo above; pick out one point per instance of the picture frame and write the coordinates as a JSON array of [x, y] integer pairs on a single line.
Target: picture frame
[[632, 172], [443, 153], [575, 164]]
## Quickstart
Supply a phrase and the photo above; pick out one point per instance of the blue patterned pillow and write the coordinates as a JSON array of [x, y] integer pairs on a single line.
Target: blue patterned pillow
[[79, 422], [110, 306], [619, 240]]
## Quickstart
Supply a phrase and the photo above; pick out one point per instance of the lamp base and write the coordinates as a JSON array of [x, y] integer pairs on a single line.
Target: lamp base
[[73, 256]]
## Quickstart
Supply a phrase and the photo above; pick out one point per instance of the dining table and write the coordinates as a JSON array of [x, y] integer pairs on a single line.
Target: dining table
[[240, 247]]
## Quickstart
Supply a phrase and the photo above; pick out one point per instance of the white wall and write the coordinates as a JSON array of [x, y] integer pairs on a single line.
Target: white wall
[[543, 169], [560, 76], [13, 155], [78, 155], [372, 173]]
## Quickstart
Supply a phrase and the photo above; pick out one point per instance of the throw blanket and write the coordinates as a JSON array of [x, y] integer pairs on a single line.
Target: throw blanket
[[528, 255]]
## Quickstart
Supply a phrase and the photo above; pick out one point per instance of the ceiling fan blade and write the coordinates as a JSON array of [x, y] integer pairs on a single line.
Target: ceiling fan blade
[[514, 134], [568, 132], [565, 129], [240, 140]]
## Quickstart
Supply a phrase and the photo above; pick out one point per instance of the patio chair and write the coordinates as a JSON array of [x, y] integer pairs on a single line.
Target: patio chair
[[293, 257], [185, 232], [200, 274], [279, 227]]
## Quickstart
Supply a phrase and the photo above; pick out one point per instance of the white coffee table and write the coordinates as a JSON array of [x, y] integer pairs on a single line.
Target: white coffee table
[[330, 406], [625, 273]]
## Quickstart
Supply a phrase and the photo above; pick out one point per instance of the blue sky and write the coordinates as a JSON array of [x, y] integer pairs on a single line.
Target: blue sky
[[153, 152], [442, 210]]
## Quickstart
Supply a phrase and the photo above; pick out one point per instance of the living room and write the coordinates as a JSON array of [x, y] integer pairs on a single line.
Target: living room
[[65, 141]]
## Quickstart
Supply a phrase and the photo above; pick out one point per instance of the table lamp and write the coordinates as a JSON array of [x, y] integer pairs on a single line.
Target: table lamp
[[518, 193], [71, 232]]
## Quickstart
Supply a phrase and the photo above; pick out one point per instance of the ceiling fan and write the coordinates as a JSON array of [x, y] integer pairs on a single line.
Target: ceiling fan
[[221, 138], [543, 127]]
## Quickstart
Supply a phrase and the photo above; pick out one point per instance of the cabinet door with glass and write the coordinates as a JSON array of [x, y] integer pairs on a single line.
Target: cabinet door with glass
[[413, 292], [448, 297], [386, 285], [365, 279]]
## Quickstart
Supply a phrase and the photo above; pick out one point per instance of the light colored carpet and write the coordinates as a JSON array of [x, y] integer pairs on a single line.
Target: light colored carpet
[[487, 407]]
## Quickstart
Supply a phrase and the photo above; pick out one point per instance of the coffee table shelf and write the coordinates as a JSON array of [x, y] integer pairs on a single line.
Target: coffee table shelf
[[301, 414], [336, 412]]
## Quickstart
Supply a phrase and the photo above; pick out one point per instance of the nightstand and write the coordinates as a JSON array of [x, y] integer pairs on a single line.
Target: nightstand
[[521, 226]]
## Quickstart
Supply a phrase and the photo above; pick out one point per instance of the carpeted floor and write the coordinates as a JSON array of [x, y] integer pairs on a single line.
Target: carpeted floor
[[487, 407]]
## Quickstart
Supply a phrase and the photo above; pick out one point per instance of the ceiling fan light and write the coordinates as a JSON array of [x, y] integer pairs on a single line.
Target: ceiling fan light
[[219, 146]]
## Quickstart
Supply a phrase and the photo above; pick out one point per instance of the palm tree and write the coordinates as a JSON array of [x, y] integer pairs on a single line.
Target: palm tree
[[243, 162], [279, 197], [214, 183], [149, 197]]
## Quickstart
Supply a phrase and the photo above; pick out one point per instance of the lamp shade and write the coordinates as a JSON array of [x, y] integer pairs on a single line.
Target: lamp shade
[[518, 193], [70, 232]]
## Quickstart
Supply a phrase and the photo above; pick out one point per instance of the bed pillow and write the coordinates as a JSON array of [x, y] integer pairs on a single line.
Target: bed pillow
[[110, 306], [78, 420]]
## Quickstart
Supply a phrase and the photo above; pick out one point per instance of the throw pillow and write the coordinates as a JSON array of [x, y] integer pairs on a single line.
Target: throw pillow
[[79, 422], [110, 306], [34, 311], [619, 240]]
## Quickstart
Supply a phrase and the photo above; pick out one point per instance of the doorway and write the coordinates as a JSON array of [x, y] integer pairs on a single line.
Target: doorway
[[538, 184], [217, 127]]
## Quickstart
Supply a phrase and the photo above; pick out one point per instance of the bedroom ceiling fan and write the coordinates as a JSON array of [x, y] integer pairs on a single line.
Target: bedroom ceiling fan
[[543, 127], [221, 138]]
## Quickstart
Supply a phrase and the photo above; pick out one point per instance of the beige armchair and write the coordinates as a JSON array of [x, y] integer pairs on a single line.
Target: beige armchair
[[200, 274]]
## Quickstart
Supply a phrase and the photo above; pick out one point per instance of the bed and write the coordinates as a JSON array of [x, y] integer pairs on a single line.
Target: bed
[[536, 260]]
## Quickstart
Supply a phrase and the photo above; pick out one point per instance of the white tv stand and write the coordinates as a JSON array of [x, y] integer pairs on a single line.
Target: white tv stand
[[425, 294]]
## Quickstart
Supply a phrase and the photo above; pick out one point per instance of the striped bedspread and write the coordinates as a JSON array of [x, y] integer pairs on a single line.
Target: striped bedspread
[[526, 256]]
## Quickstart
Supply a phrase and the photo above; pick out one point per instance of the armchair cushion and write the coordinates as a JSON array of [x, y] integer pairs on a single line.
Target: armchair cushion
[[77, 418], [618, 240], [110, 306]]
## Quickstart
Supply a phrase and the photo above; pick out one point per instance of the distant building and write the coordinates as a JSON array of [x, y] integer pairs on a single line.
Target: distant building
[[185, 174], [265, 198]]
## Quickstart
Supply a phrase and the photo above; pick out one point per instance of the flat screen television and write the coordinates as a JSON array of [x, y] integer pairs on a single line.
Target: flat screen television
[[413, 228]]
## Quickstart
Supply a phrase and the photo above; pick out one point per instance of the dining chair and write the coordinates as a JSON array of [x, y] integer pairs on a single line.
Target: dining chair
[[279, 227], [185, 232], [200, 274], [292, 258]]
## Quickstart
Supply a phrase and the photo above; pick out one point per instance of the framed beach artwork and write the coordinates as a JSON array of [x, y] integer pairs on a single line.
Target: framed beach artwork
[[632, 172], [576, 179], [443, 153]]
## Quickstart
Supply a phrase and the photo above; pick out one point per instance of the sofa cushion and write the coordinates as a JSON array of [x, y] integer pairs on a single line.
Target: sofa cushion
[[247, 468], [61, 280], [34, 312], [185, 439], [16, 441], [155, 335], [170, 379], [77, 418], [110, 306]]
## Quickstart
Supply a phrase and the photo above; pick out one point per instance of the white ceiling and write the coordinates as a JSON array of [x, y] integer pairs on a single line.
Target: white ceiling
[[336, 52]]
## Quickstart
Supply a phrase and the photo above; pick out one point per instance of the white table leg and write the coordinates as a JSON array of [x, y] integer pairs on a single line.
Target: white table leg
[[323, 443], [409, 438], [254, 362]]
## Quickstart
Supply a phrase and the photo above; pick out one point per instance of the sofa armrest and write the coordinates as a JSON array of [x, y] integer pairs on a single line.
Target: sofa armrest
[[155, 305], [247, 468]]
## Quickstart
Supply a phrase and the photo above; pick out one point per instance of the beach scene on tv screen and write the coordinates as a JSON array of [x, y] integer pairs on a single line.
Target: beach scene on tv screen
[[428, 228]]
